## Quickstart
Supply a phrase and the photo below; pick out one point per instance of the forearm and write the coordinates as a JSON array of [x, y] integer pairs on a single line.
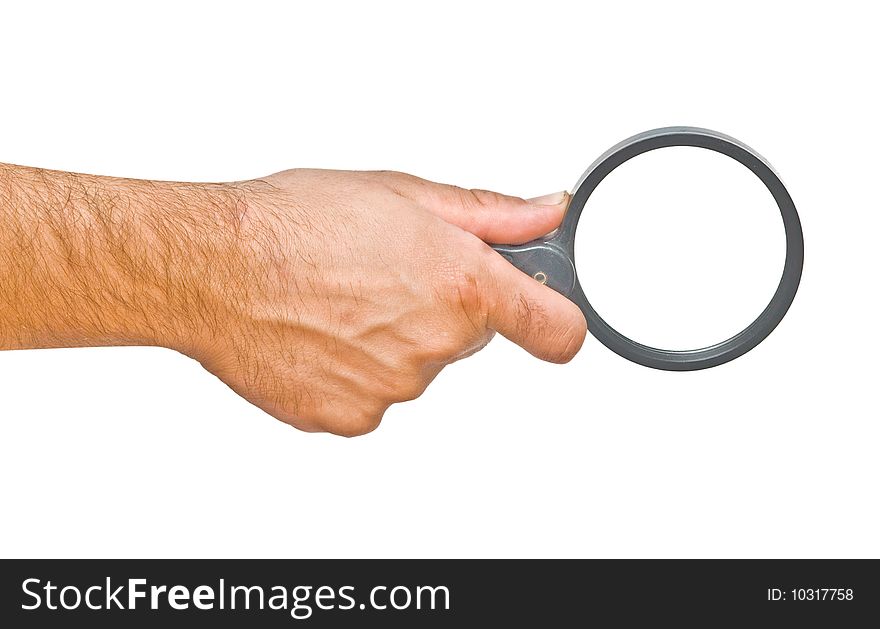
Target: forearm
[[88, 260]]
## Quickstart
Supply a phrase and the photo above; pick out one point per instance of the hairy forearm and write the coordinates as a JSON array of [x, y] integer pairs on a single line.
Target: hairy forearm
[[88, 260]]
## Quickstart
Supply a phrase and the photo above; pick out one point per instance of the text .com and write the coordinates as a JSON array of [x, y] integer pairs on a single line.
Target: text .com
[[299, 601]]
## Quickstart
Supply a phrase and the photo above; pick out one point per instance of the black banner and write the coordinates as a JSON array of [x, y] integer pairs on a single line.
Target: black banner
[[437, 593]]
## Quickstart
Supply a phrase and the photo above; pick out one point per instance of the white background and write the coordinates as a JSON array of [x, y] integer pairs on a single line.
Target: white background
[[139, 452]]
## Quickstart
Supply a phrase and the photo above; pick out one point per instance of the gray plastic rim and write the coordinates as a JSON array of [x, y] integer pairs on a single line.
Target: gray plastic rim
[[763, 325]]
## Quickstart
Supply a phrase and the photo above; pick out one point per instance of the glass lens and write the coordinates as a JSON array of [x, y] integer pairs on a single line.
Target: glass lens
[[680, 248]]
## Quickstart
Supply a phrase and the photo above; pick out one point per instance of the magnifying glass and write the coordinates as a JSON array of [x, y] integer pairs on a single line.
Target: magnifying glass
[[550, 260]]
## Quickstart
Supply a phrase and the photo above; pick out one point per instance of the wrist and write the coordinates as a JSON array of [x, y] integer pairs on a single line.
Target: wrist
[[191, 252]]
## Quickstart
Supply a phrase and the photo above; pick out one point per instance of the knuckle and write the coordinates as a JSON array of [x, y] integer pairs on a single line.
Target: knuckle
[[459, 284], [384, 176], [472, 306], [466, 290], [355, 422], [478, 276], [386, 378], [478, 199], [409, 388], [406, 382], [442, 346], [402, 184]]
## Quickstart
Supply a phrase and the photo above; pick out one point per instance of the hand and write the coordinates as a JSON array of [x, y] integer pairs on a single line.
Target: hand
[[322, 297], [356, 288]]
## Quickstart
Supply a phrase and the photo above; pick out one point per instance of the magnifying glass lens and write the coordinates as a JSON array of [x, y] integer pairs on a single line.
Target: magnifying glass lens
[[680, 248]]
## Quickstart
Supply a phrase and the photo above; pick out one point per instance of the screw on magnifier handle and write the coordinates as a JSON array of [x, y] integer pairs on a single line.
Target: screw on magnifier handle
[[545, 261]]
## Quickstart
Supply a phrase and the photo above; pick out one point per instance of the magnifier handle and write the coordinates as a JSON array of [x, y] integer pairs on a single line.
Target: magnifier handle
[[545, 261]]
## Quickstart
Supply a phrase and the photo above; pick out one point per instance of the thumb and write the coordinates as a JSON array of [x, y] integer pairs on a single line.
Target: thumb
[[491, 216]]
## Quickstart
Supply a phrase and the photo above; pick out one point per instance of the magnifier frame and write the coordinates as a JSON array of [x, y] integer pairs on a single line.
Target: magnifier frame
[[551, 259]]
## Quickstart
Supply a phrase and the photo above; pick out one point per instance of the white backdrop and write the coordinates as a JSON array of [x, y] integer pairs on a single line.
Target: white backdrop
[[139, 452]]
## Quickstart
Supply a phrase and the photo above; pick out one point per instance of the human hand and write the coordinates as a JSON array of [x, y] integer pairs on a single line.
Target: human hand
[[323, 297], [350, 291]]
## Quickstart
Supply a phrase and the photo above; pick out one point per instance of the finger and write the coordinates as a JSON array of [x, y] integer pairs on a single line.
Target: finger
[[498, 218], [534, 316], [491, 216]]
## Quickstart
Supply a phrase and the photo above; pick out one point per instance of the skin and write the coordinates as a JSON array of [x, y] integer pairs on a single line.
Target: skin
[[322, 297]]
